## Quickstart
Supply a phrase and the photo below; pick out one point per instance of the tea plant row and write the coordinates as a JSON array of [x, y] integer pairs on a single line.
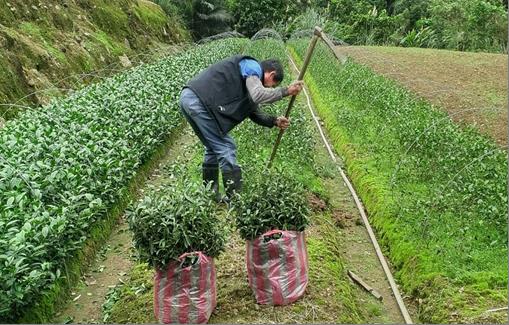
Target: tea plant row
[[64, 166], [179, 216], [275, 198]]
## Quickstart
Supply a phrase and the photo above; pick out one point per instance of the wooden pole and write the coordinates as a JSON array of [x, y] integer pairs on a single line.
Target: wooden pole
[[309, 53], [366, 287]]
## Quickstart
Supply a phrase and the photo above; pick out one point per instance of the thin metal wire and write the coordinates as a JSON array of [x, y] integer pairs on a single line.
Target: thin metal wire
[[224, 35], [267, 33]]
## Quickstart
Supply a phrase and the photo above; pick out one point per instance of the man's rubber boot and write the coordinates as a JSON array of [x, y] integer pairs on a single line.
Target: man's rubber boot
[[232, 181], [211, 175]]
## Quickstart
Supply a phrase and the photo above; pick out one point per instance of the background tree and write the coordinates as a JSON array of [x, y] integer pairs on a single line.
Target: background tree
[[251, 16], [203, 18], [467, 25], [477, 25]]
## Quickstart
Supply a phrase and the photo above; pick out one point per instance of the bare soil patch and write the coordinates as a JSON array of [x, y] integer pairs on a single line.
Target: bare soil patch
[[470, 87], [316, 203]]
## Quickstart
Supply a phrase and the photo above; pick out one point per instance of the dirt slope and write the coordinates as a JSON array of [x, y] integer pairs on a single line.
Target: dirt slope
[[471, 87]]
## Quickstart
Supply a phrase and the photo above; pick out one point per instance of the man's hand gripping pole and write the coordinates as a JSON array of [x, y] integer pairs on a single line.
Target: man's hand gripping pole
[[317, 33]]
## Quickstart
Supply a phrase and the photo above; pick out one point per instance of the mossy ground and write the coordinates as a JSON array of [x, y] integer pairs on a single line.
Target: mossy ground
[[45, 47]]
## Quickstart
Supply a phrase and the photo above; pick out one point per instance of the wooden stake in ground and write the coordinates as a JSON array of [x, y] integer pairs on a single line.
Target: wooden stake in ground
[[368, 288], [309, 53]]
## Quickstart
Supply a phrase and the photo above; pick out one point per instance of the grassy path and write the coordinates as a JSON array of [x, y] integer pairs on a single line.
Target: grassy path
[[116, 259]]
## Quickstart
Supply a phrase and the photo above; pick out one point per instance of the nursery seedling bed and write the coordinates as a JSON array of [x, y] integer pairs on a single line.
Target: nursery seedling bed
[[471, 87]]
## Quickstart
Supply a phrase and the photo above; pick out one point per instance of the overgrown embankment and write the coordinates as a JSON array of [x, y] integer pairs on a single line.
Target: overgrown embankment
[[436, 192], [46, 45]]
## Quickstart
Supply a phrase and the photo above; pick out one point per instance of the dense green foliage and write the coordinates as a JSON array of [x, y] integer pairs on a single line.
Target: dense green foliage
[[174, 220], [64, 166], [271, 200], [436, 192], [478, 25], [203, 18], [467, 25], [252, 16]]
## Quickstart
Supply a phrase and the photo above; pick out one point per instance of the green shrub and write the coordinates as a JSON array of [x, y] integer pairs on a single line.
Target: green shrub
[[271, 200], [466, 25], [203, 18], [65, 166], [175, 220], [252, 16]]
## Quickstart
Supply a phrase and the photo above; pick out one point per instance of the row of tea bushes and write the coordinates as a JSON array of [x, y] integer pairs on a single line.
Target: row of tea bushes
[[63, 167], [274, 199], [179, 218]]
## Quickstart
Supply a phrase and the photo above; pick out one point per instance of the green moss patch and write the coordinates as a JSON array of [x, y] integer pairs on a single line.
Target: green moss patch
[[44, 37], [150, 14], [110, 17], [62, 42], [11, 87], [112, 46]]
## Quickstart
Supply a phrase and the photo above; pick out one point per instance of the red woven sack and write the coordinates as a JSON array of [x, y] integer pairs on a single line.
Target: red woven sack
[[277, 268], [185, 294]]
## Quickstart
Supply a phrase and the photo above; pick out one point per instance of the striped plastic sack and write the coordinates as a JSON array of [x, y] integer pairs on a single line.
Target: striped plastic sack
[[185, 294], [277, 268]]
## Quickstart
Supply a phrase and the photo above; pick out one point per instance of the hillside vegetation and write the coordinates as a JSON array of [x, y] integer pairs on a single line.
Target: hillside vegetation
[[46, 45]]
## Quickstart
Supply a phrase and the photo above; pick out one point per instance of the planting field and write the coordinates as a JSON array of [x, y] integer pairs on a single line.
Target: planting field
[[66, 168], [471, 87], [435, 192], [330, 296]]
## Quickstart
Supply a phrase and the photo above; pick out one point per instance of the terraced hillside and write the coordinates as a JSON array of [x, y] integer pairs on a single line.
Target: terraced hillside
[[47, 47]]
